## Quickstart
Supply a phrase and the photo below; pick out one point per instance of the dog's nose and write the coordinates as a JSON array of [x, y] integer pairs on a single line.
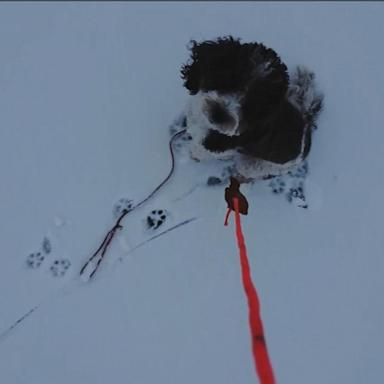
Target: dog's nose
[[219, 116], [217, 113]]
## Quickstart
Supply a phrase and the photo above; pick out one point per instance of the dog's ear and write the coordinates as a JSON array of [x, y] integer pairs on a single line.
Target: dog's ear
[[214, 65], [190, 72], [268, 86]]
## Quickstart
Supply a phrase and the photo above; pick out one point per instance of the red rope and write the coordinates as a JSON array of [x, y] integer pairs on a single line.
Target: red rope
[[259, 347]]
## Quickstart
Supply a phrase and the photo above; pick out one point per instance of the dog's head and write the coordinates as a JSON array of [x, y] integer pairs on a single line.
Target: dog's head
[[240, 83]]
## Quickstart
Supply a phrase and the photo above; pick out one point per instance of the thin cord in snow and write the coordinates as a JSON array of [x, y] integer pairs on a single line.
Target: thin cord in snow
[[101, 251]]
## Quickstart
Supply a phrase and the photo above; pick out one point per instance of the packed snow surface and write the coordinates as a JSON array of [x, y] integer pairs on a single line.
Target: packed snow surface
[[87, 94]]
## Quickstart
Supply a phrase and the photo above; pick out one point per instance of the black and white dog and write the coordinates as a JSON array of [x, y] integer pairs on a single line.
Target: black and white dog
[[244, 108]]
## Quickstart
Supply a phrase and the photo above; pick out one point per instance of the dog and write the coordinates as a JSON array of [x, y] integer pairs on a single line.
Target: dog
[[244, 108]]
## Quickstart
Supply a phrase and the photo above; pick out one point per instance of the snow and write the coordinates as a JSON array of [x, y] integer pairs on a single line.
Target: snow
[[87, 93]]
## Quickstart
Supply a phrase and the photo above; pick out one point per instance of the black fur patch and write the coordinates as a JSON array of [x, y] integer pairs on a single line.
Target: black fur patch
[[270, 127]]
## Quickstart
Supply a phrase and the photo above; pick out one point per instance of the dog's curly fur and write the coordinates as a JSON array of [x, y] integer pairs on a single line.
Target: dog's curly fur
[[243, 104]]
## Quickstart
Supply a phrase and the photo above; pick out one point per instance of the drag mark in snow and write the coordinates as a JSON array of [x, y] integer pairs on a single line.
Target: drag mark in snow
[[56, 294], [4, 334]]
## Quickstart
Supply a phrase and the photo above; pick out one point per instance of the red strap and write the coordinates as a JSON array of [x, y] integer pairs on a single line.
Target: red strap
[[263, 365]]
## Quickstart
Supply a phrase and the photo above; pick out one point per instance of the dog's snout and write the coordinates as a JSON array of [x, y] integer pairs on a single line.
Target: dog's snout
[[218, 114]]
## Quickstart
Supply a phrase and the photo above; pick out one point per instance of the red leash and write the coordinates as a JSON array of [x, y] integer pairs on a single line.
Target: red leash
[[259, 347]]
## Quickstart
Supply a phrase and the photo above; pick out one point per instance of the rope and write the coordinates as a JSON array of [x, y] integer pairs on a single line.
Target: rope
[[263, 365], [227, 216], [101, 251]]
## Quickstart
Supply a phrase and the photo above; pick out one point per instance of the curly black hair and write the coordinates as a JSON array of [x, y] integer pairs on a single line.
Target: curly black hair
[[228, 66], [270, 126]]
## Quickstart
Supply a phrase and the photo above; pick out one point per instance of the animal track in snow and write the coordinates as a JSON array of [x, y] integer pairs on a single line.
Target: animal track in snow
[[301, 171], [46, 246], [277, 185], [123, 204], [156, 218], [296, 195], [60, 267], [49, 247], [35, 259], [292, 185]]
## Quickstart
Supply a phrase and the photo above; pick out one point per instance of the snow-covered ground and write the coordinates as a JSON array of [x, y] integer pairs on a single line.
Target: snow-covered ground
[[87, 93]]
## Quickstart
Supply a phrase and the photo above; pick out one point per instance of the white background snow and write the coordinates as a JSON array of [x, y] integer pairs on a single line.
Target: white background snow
[[87, 92]]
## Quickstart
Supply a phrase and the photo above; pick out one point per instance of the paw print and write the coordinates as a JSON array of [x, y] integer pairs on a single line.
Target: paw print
[[213, 180], [300, 172], [35, 259], [296, 194], [59, 267], [186, 137], [124, 204], [277, 185], [156, 218]]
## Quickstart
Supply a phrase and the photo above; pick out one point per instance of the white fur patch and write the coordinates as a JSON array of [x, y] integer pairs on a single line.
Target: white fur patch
[[198, 123], [301, 93]]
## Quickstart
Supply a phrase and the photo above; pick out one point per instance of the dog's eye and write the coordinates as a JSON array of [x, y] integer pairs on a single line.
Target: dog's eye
[[217, 113]]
